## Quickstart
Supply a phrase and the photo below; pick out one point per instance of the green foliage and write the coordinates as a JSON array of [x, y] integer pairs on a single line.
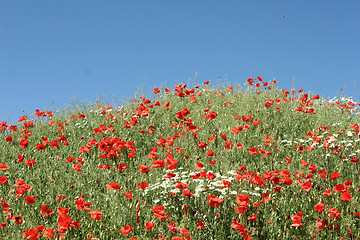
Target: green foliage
[[287, 146]]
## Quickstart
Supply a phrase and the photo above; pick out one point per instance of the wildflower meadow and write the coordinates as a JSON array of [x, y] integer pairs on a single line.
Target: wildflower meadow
[[242, 161]]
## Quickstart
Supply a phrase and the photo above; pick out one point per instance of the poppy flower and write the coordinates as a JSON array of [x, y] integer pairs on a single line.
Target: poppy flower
[[40, 146], [49, 233], [6, 207], [183, 231], [125, 230], [144, 169], [297, 219], [250, 81], [345, 196], [143, 185], [76, 167], [32, 233], [30, 199], [212, 162], [319, 207], [253, 151], [307, 185], [266, 197], [64, 221], [121, 167], [113, 185], [45, 210], [200, 225], [105, 166], [334, 213], [158, 164], [243, 200], [129, 194], [181, 185], [334, 175], [240, 145], [80, 205], [210, 153], [214, 201], [339, 188], [199, 165], [23, 143], [149, 225], [96, 215], [170, 175], [252, 218], [3, 180], [187, 193], [201, 145], [172, 227], [239, 226]]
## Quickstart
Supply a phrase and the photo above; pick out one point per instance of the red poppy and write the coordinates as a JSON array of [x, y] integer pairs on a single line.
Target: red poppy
[[214, 201], [322, 173], [210, 153], [64, 221], [121, 167], [243, 200], [143, 185], [144, 169], [334, 175], [3, 180], [49, 233], [170, 175], [239, 226], [30, 163], [253, 151], [105, 166], [76, 167], [129, 194], [181, 185], [200, 225], [319, 207], [126, 230], [199, 165], [240, 145], [158, 164], [307, 185], [297, 219], [30, 199], [345, 196], [45, 210], [266, 197], [187, 193], [113, 185], [252, 218], [149, 225], [201, 145], [96, 215], [6, 207], [159, 212], [339, 188], [80, 205], [183, 231], [212, 162], [31, 234], [40, 146]]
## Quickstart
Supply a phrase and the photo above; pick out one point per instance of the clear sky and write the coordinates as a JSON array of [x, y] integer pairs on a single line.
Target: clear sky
[[53, 50]]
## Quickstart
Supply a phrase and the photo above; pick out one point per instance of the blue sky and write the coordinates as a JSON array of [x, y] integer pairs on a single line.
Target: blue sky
[[53, 50]]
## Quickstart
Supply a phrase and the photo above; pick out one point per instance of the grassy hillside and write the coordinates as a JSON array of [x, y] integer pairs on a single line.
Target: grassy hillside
[[249, 161]]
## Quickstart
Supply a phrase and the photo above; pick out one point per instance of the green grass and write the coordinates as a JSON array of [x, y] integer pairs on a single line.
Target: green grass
[[224, 174]]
